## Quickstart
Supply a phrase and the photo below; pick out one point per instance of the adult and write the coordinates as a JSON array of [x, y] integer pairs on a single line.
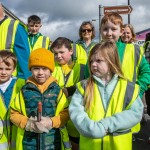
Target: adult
[[13, 36], [85, 42], [128, 35]]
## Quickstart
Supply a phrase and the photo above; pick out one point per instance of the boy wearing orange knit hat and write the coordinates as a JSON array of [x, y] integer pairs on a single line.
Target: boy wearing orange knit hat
[[41, 87]]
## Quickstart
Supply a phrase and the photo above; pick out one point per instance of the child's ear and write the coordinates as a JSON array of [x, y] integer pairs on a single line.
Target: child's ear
[[122, 30], [71, 51]]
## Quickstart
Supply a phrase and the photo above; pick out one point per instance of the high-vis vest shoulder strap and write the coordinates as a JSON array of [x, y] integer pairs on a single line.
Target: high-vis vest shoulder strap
[[72, 78]]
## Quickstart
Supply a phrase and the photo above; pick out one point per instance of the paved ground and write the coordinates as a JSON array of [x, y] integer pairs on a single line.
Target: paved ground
[[142, 139]]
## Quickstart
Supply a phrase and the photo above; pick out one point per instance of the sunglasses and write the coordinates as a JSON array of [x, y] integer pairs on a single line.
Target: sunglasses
[[84, 30]]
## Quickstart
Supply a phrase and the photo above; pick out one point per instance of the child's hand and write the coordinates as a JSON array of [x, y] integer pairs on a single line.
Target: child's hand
[[34, 126], [46, 122]]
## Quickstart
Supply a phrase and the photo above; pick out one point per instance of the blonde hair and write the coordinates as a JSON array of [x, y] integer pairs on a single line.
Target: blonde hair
[[133, 39], [108, 50]]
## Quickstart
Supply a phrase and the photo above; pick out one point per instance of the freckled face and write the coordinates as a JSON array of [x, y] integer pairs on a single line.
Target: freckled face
[[111, 31]]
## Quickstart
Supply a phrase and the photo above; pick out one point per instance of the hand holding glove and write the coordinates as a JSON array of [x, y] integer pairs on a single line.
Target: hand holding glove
[[34, 126]]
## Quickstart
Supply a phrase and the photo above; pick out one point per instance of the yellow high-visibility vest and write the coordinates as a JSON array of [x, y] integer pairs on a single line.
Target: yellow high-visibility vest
[[120, 100]]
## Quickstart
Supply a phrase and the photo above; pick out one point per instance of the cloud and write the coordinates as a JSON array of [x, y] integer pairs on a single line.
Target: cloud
[[64, 17]]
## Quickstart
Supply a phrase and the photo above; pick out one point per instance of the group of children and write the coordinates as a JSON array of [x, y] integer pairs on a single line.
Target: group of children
[[98, 112]]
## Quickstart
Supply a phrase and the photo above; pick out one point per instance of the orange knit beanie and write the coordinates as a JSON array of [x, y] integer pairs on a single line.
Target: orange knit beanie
[[42, 57]]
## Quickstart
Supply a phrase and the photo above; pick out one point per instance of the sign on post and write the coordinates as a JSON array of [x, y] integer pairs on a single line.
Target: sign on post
[[118, 9]]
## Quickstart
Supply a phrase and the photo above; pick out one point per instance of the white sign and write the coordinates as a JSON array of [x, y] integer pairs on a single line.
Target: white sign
[[140, 42]]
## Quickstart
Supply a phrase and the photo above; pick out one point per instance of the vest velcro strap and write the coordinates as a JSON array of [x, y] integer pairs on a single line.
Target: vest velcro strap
[[119, 133]]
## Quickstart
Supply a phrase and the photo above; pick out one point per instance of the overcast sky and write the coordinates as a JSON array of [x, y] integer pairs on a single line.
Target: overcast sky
[[64, 17]]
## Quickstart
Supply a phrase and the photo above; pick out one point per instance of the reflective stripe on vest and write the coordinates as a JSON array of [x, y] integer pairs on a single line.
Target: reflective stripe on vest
[[10, 32], [65, 139], [42, 41], [7, 33], [3, 146], [136, 60], [129, 93], [74, 52]]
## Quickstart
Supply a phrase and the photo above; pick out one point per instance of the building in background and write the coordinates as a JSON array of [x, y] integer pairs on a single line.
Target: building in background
[[11, 15], [140, 36]]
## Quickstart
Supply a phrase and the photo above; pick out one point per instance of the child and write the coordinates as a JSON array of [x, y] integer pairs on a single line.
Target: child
[[133, 63], [36, 39], [105, 106], [41, 87], [67, 72], [9, 87]]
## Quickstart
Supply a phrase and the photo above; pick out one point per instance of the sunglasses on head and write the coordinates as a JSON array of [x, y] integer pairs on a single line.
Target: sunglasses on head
[[88, 30]]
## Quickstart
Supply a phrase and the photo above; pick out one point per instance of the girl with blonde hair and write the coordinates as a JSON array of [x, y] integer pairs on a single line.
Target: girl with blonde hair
[[105, 106]]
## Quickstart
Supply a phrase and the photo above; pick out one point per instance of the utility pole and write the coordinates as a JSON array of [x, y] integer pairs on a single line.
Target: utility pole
[[129, 13], [100, 14]]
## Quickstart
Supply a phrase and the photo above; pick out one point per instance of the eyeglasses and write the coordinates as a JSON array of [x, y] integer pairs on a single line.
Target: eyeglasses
[[84, 30]]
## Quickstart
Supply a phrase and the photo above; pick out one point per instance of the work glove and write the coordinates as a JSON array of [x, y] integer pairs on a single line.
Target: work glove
[[34, 126], [46, 122]]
